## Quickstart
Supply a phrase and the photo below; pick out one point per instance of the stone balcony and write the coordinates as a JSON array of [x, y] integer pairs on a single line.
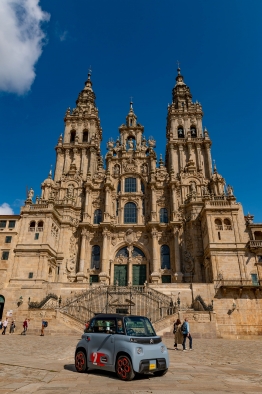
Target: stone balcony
[[239, 285], [255, 245]]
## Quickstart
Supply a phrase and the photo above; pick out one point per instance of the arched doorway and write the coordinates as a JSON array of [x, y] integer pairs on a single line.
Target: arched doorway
[[130, 266], [2, 304]]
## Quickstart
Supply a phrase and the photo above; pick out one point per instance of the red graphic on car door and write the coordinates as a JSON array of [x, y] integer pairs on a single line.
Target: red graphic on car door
[[99, 359]]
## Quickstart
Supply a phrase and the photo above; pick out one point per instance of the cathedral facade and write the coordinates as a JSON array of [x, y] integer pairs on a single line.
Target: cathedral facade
[[132, 219]]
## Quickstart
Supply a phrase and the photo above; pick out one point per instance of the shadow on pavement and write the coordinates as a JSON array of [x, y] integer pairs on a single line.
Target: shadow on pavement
[[110, 375]]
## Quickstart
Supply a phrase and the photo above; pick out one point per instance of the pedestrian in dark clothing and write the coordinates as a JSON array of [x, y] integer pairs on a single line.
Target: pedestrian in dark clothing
[[12, 327], [186, 334], [25, 325], [5, 322]]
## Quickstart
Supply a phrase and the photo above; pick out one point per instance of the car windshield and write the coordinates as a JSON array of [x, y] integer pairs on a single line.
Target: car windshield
[[139, 327]]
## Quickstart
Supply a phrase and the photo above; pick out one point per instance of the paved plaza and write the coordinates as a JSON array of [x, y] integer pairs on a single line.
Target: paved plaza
[[30, 364]]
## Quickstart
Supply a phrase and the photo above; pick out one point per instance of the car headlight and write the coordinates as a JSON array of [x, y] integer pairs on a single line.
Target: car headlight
[[163, 349], [139, 350]]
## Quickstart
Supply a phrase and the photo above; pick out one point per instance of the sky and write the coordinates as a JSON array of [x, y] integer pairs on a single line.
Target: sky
[[47, 47]]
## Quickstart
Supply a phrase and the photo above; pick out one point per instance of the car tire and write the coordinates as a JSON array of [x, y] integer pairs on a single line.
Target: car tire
[[124, 368], [80, 361], [161, 373]]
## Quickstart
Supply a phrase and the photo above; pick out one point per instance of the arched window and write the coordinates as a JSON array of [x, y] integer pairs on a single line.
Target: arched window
[[227, 224], [95, 257], [193, 131], [72, 136], [130, 185], [85, 136], [40, 226], [218, 223], [165, 257], [163, 215], [135, 252], [130, 213], [180, 132], [97, 216], [32, 226]]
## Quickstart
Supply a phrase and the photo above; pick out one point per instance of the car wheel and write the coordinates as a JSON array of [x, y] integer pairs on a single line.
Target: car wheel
[[124, 368], [80, 361], [161, 373]]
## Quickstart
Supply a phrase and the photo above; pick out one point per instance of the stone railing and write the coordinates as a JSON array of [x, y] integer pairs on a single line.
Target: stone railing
[[255, 244], [235, 283]]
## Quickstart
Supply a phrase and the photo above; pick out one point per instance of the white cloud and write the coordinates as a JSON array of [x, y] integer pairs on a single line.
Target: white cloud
[[21, 42], [5, 209]]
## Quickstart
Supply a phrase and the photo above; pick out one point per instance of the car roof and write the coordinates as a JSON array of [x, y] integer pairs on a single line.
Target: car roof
[[117, 315]]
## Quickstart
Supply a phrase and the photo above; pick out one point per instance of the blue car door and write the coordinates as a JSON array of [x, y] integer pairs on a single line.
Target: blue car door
[[102, 344]]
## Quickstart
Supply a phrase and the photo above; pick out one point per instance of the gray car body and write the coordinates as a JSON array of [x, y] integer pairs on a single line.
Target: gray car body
[[102, 350]]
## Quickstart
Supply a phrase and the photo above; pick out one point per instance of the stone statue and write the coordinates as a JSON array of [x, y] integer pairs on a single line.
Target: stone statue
[[30, 194], [116, 170], [130, 144], [229, 190], [70, 191]]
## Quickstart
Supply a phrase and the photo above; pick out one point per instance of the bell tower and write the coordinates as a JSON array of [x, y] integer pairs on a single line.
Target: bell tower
[[79, 149]]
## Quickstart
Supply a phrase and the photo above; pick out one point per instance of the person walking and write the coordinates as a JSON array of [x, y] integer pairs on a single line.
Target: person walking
[[25, 325], [5, 322], [186, 334], [12, 327], [178, 336], [44, 325]]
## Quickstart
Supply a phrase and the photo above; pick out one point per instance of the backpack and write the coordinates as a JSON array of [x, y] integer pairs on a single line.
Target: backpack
[[183, 328], [45, 323], [175, 328]]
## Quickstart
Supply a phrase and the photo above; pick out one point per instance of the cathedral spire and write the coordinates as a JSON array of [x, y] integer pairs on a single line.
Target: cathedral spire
[[131, 117], [86, 96], [181, 92]]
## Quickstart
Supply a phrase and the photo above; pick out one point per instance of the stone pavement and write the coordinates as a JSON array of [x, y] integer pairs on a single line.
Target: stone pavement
[[30, 364]]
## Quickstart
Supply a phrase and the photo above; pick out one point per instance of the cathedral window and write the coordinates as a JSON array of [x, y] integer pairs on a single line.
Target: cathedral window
[[11, 224], [119, 187], [32, 226], [30, 275], [163, 215], [165, 257], [143, 208], [5, 255], [258, 235], [180, 132], [72, 136], [130, 213], [117, 207], [3, 223], [193, 131], [95, 257], [130, 185], [8, 239], [227, 224], [36, 236], [97, 216], [40, 226], [85, 136], [142, 187], [219, 236], [218, 224]]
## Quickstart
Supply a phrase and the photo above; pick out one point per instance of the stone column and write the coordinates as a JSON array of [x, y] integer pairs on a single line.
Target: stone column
[[155, 276], [178, 273], [181, 160], [81, 275], [59, 164], [209, 163], [82, 161], [173, 202], [66, 161], [198, 154], [153, 208], [104, 274], [92, 163]]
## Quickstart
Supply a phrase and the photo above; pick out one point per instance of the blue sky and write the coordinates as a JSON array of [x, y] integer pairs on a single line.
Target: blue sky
[[133, 48]]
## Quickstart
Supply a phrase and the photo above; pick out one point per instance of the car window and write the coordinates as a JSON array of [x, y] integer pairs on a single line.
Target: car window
[[104, 326], [138, 326]]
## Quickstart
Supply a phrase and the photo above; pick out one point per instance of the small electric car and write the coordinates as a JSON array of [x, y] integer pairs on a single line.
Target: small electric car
[[125, 344]]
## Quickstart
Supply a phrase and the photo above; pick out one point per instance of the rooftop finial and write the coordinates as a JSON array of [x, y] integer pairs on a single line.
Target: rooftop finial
[[50, 172], [178, 67], [89, 73], [215, 167], [131, 103]]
